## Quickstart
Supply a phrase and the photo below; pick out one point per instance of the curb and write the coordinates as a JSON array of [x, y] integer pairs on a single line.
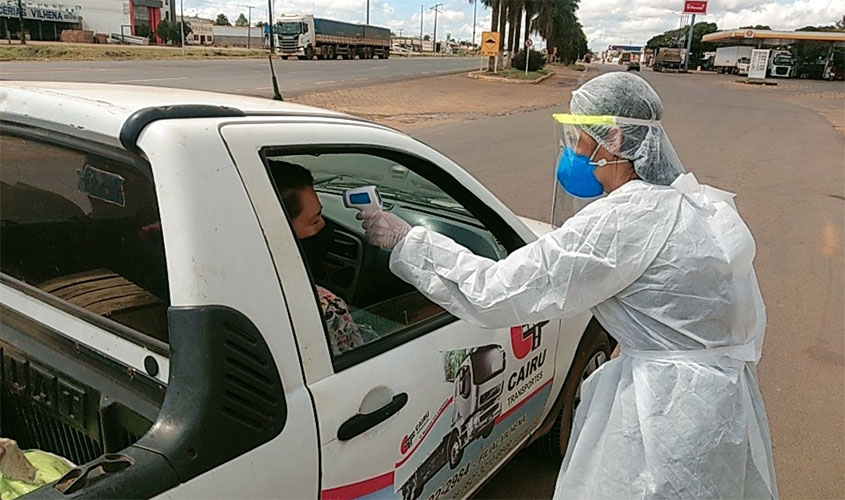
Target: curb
[[476, 75]]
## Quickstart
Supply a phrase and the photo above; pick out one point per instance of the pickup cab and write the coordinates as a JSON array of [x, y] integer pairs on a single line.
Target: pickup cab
[[161, 327]]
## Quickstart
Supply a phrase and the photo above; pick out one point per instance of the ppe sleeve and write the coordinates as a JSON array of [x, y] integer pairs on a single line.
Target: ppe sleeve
[[592, 257]]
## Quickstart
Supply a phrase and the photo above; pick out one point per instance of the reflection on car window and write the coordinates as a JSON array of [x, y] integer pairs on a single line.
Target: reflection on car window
[[373, 304]]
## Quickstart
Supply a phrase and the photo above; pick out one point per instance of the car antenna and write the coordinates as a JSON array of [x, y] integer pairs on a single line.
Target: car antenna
[[277, 96]]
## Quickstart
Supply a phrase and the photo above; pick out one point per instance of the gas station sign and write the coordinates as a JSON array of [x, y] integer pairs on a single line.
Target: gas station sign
[[695, 7]]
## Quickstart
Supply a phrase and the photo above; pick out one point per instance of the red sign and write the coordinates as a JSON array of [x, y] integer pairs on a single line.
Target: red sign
[[695, 7]]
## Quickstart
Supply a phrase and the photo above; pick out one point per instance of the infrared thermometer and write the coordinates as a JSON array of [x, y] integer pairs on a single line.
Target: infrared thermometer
[[365, 198]]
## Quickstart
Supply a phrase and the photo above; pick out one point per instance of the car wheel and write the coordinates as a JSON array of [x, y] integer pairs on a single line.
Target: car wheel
[[284, 58], [593, 351], [456, 451]]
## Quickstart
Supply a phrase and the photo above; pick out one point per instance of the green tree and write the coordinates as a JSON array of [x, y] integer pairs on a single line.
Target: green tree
[[222, 20], [170, 31], [241, 20]]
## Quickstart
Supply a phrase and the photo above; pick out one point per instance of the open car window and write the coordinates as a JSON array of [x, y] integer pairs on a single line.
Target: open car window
[[368, 310]]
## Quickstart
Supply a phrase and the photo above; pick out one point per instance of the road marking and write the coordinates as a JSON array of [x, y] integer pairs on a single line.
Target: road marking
[[361, 79], [150, 80], [327, 81], [377, 67], [263, 88]]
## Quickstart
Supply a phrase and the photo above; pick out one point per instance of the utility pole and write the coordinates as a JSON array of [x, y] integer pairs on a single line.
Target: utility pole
[[248, 25], [368, 11], [182, 23], [474, 10], [434, 8], [20, 20], [421, 29]]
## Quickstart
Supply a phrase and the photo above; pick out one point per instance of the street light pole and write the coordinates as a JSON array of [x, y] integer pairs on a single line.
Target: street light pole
[[368, 11], [277, 96], [182, 23], [421, 29]]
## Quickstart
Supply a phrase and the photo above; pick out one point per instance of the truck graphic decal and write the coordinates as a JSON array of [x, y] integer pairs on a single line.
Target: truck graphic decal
[[479, 461]]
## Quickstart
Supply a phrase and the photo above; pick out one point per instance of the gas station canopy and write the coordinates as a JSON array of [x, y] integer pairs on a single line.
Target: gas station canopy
[[769, 37]]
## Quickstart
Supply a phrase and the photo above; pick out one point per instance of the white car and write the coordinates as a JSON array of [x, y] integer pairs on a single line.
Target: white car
[[161, 327]]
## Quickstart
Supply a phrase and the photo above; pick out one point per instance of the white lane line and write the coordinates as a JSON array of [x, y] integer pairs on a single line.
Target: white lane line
[[150, 80], [361, 79], [327, 81], [376, 67]]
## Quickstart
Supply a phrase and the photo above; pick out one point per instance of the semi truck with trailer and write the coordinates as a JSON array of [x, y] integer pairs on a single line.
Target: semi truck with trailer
[[306, 37]]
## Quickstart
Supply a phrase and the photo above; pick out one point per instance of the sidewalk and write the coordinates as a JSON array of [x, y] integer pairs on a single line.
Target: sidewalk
[[446, 99]]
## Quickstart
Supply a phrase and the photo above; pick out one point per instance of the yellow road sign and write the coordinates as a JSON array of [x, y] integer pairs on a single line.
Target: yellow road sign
[[490, 43]]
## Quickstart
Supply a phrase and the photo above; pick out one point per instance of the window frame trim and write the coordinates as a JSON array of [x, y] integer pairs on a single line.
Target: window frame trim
[[411, 161], [127, 159]]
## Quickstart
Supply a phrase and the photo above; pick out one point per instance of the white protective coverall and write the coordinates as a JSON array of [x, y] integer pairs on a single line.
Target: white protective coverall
[[667, 271]]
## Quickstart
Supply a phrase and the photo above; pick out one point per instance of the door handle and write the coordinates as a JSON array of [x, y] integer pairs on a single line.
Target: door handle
[[363, 422]]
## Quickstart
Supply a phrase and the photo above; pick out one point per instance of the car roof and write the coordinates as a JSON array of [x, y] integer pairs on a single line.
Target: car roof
[[99, 111]]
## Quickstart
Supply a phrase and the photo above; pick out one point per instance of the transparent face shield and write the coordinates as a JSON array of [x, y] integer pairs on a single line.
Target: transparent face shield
[[568, 130]]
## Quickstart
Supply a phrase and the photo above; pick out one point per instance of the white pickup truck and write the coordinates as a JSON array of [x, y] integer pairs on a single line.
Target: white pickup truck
[[160, 325]]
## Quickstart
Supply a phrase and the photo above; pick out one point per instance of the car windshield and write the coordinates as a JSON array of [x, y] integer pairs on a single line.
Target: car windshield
[[783, 59], [290, 28], [487, 362]]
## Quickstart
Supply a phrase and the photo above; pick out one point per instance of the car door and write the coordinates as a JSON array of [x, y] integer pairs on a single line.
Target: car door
[[425, 405]]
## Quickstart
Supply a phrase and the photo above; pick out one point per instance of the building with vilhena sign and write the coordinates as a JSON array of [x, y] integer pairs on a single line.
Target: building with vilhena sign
[[113, 18]]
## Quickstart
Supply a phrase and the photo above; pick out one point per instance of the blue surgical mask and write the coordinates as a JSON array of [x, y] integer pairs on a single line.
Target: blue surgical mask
[[576, 173]]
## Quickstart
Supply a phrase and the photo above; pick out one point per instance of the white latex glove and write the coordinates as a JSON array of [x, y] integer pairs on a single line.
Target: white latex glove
[[384, 229]]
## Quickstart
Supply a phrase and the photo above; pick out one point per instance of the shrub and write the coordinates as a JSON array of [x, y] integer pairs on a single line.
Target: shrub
[[535, 60]]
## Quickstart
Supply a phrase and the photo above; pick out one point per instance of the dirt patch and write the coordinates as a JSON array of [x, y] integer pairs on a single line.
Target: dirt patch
[[446, 99]]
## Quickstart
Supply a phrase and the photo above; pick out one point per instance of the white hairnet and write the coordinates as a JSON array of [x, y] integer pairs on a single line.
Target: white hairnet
[[647, 146]]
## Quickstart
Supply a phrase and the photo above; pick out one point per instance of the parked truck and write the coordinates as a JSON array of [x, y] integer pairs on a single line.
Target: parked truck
[[307, 36], [669, 59], [732, 60], [781, 64]]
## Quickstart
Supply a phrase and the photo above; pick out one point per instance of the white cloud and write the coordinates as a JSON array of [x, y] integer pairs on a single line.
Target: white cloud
[[609, 22], [386, 9]]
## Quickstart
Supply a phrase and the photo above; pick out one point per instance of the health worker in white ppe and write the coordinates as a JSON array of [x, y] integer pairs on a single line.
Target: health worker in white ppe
[[665, 265]]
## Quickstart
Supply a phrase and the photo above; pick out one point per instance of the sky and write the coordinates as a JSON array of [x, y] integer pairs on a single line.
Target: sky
[[605, 22]]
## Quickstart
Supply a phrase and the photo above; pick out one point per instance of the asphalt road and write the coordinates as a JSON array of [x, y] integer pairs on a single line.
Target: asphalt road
[[241, 76], [774, 147]]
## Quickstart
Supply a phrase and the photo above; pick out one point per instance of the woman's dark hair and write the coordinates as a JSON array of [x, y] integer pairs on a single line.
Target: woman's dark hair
[[290, 179]]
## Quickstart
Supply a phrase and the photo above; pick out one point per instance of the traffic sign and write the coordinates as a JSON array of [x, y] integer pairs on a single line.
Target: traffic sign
[[695, 7], [528, 43], [490, 43]]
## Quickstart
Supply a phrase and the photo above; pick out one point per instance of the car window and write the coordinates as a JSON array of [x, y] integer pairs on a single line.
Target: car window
[[84, 228], [363, 303]]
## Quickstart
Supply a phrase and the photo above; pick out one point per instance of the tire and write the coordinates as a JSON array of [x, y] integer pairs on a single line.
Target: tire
[[309, 53], [284, 58], [593, 351], [455, 450], [331, 53]]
